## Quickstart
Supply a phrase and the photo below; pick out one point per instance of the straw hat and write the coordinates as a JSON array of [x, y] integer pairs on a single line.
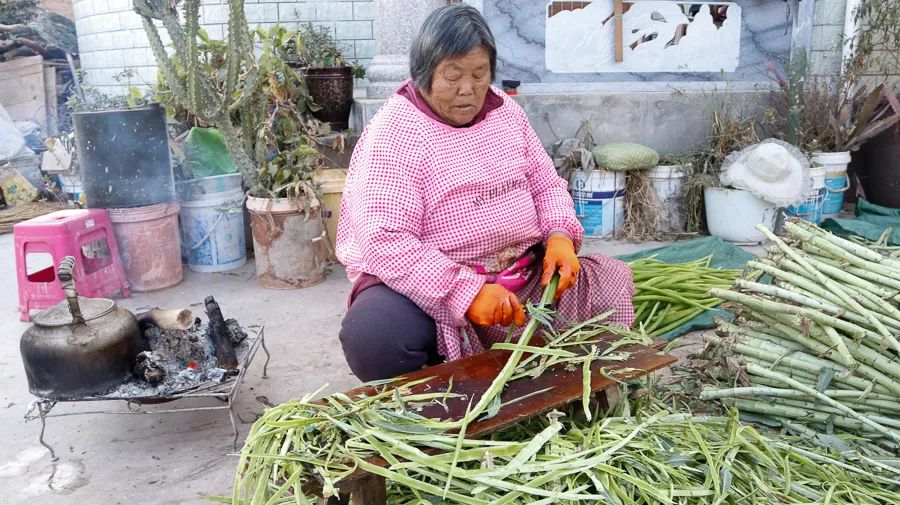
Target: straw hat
[[773, 170]]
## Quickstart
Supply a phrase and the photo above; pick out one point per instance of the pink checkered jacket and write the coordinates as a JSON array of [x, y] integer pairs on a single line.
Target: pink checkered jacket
[[425, 204]]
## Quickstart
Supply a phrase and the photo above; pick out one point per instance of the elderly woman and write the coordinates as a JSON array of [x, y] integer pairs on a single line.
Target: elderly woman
[[453, 215]]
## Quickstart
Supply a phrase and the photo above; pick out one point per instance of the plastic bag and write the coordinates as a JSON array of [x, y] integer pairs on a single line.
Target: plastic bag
[[205, 154], [12, 141], [622, 156]]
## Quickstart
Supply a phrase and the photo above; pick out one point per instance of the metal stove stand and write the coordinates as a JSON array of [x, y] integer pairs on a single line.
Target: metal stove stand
[[226, 391]]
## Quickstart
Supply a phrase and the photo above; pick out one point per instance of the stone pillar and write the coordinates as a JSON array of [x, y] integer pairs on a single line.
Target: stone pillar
[[396, 22]]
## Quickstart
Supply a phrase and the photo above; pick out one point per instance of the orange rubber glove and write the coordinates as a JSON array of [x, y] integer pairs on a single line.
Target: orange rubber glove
[[494, 304], [560, 257]]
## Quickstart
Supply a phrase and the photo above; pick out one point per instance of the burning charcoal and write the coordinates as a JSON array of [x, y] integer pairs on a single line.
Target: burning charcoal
[[150, 368], [235, 332]]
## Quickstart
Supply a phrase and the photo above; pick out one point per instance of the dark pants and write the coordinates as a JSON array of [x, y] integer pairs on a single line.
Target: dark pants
[[385, 334]]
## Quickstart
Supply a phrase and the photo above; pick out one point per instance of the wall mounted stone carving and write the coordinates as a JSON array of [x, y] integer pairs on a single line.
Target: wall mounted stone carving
[[659, 36]]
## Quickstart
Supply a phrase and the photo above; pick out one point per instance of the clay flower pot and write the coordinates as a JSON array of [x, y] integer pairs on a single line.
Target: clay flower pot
[[290, 244]]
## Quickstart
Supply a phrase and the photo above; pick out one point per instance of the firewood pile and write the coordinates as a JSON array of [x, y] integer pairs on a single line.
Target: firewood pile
[[27, 30]]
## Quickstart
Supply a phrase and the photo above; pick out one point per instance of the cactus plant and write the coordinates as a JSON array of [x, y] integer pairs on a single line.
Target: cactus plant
[[228, 107]]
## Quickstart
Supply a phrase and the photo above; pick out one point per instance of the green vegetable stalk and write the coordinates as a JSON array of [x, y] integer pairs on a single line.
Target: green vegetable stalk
[[668, 295], [819, 346]]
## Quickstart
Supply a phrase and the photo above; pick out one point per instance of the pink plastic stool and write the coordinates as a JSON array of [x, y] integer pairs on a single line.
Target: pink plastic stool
[[41, 243]]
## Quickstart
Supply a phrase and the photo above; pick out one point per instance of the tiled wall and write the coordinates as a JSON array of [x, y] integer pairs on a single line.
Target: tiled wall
[[827, 44], [828, 31], [111, 38]]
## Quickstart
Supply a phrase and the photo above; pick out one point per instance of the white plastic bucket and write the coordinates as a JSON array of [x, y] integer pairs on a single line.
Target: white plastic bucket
[[836, 180], [811, 207], [212, 228], [734, 213], [599, 197], [195, 188], [667, 181]]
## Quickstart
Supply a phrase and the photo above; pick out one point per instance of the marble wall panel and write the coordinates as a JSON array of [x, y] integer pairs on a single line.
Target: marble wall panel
[[519, 27]]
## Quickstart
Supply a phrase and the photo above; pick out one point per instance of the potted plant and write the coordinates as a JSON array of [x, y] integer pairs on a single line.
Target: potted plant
[[209, 185], [829, 115], [316, 54], [259, 106], [122, 146], [832, 118]]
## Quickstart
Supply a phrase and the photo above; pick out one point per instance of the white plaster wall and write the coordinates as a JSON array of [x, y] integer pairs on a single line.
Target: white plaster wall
[[111, 38]]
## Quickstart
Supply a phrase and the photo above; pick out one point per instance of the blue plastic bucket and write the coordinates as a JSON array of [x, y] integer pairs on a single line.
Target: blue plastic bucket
[[599, 197], [836, 180], [811, 209], [835, 187], [212, 230]]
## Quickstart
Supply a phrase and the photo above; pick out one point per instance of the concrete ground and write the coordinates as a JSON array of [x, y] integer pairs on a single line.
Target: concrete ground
[[172, 459]]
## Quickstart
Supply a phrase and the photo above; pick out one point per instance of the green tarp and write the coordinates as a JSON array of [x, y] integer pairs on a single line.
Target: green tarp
[[871, 223], [724, 255]]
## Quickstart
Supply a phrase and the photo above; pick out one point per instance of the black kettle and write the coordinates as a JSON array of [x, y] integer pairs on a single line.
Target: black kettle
[[81, 346]]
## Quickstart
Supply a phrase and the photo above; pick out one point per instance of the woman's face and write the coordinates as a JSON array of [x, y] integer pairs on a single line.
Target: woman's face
[[459, 85]]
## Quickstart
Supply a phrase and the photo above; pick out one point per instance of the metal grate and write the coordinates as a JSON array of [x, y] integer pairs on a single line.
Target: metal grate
[[226, 391]]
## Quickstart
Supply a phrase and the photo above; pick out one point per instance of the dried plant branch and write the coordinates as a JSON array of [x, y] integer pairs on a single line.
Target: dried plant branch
[[643, 209]]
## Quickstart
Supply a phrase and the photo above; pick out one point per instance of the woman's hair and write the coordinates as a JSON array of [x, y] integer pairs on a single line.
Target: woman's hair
[[448, 32]]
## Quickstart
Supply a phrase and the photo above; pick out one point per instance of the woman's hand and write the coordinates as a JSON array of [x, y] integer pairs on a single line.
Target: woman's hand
[[494, 304], [560, 257]]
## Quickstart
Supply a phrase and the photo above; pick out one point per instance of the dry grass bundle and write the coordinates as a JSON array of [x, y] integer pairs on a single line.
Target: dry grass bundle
[[643, 209], [25, 211], [730, 132]]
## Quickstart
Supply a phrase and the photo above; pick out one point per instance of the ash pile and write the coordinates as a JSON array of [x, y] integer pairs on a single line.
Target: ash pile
[[180, 360]]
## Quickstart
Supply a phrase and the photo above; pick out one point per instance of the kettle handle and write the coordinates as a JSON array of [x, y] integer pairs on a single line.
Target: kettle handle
[[66, 275]]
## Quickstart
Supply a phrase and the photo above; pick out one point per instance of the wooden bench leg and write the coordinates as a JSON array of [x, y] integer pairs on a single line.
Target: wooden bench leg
[[334, 500], [608, 398], [372, 490], [369, 489], [602, 401]]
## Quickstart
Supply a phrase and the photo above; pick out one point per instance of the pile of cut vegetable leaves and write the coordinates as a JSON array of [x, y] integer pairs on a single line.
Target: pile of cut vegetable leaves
[[654, 456], [817, 350]]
